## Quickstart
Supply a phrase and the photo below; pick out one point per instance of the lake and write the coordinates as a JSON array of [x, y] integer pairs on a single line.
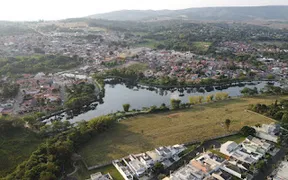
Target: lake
[[139, 97]]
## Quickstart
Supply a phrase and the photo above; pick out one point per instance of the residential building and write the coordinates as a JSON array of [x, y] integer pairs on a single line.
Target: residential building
[[231, 149], [268, 132], [187, 172], [139, 165], [221, 175]]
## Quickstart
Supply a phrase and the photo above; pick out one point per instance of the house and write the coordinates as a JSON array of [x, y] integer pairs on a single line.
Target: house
[[100, 176], [233, 170], [231, 149], [268, 132], [124, 170], [256, 151], [137, 167], [228, 148], [187, 172], [207, 162], [221, 175], [260, 142]]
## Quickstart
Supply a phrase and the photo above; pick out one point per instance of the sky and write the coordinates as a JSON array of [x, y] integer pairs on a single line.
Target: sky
[[29, 10]]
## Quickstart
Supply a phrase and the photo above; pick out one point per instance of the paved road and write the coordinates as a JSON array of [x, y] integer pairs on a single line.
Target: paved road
[[269, 169]]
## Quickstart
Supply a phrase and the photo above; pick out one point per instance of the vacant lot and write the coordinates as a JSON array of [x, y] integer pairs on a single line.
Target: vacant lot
[[143, 133], [15, 147]]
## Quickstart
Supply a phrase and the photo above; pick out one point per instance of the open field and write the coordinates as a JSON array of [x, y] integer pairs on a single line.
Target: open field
[[150, 43], [140, 67], [202, 46], [15, 147], [143, 133]]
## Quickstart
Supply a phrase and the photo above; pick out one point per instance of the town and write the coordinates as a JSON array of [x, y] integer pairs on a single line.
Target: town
[[161, 97]]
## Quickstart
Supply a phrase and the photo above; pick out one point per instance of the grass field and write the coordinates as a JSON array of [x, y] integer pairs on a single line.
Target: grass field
[[143, 133], [236, 138], [150, 43], [15, 147], [139, 67], [202, 46]]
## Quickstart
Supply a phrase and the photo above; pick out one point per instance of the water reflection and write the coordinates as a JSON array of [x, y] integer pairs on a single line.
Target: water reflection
[[118, 93]]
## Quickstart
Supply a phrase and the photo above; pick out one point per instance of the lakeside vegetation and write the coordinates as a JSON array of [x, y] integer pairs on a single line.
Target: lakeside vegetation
[[135, 73], [78, 95], [142, 133]]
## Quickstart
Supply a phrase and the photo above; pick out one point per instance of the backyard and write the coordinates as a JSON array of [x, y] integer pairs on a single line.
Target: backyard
[[83, 173], [142, 133]]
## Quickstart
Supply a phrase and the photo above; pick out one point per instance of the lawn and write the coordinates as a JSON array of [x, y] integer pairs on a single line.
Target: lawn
[[15, 147], [143, 133], [83, 173], [236, 138]]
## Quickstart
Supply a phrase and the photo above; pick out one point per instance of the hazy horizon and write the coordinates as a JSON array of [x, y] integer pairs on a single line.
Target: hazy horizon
[[31, 10]]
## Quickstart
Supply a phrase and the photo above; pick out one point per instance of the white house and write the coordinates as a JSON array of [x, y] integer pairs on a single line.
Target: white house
[[187, 172], [268, 132], [228, 148]]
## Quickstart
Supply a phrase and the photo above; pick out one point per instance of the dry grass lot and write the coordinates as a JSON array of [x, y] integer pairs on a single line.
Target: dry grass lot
[[143, 133]]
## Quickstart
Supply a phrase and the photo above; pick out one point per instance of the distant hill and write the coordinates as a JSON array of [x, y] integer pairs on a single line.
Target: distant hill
[[131, 15], [209, 13]]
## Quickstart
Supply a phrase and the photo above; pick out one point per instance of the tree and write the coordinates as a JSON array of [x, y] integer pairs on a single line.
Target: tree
[[227, 124], [270, 77], [285, 118], [209, 98], [126, 107], [175, 103], [196, 99], [249, 92], [278, 116], [200, 99], [246, 131], [47, 176], [221, 96], [31, 120], [158, 168]]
